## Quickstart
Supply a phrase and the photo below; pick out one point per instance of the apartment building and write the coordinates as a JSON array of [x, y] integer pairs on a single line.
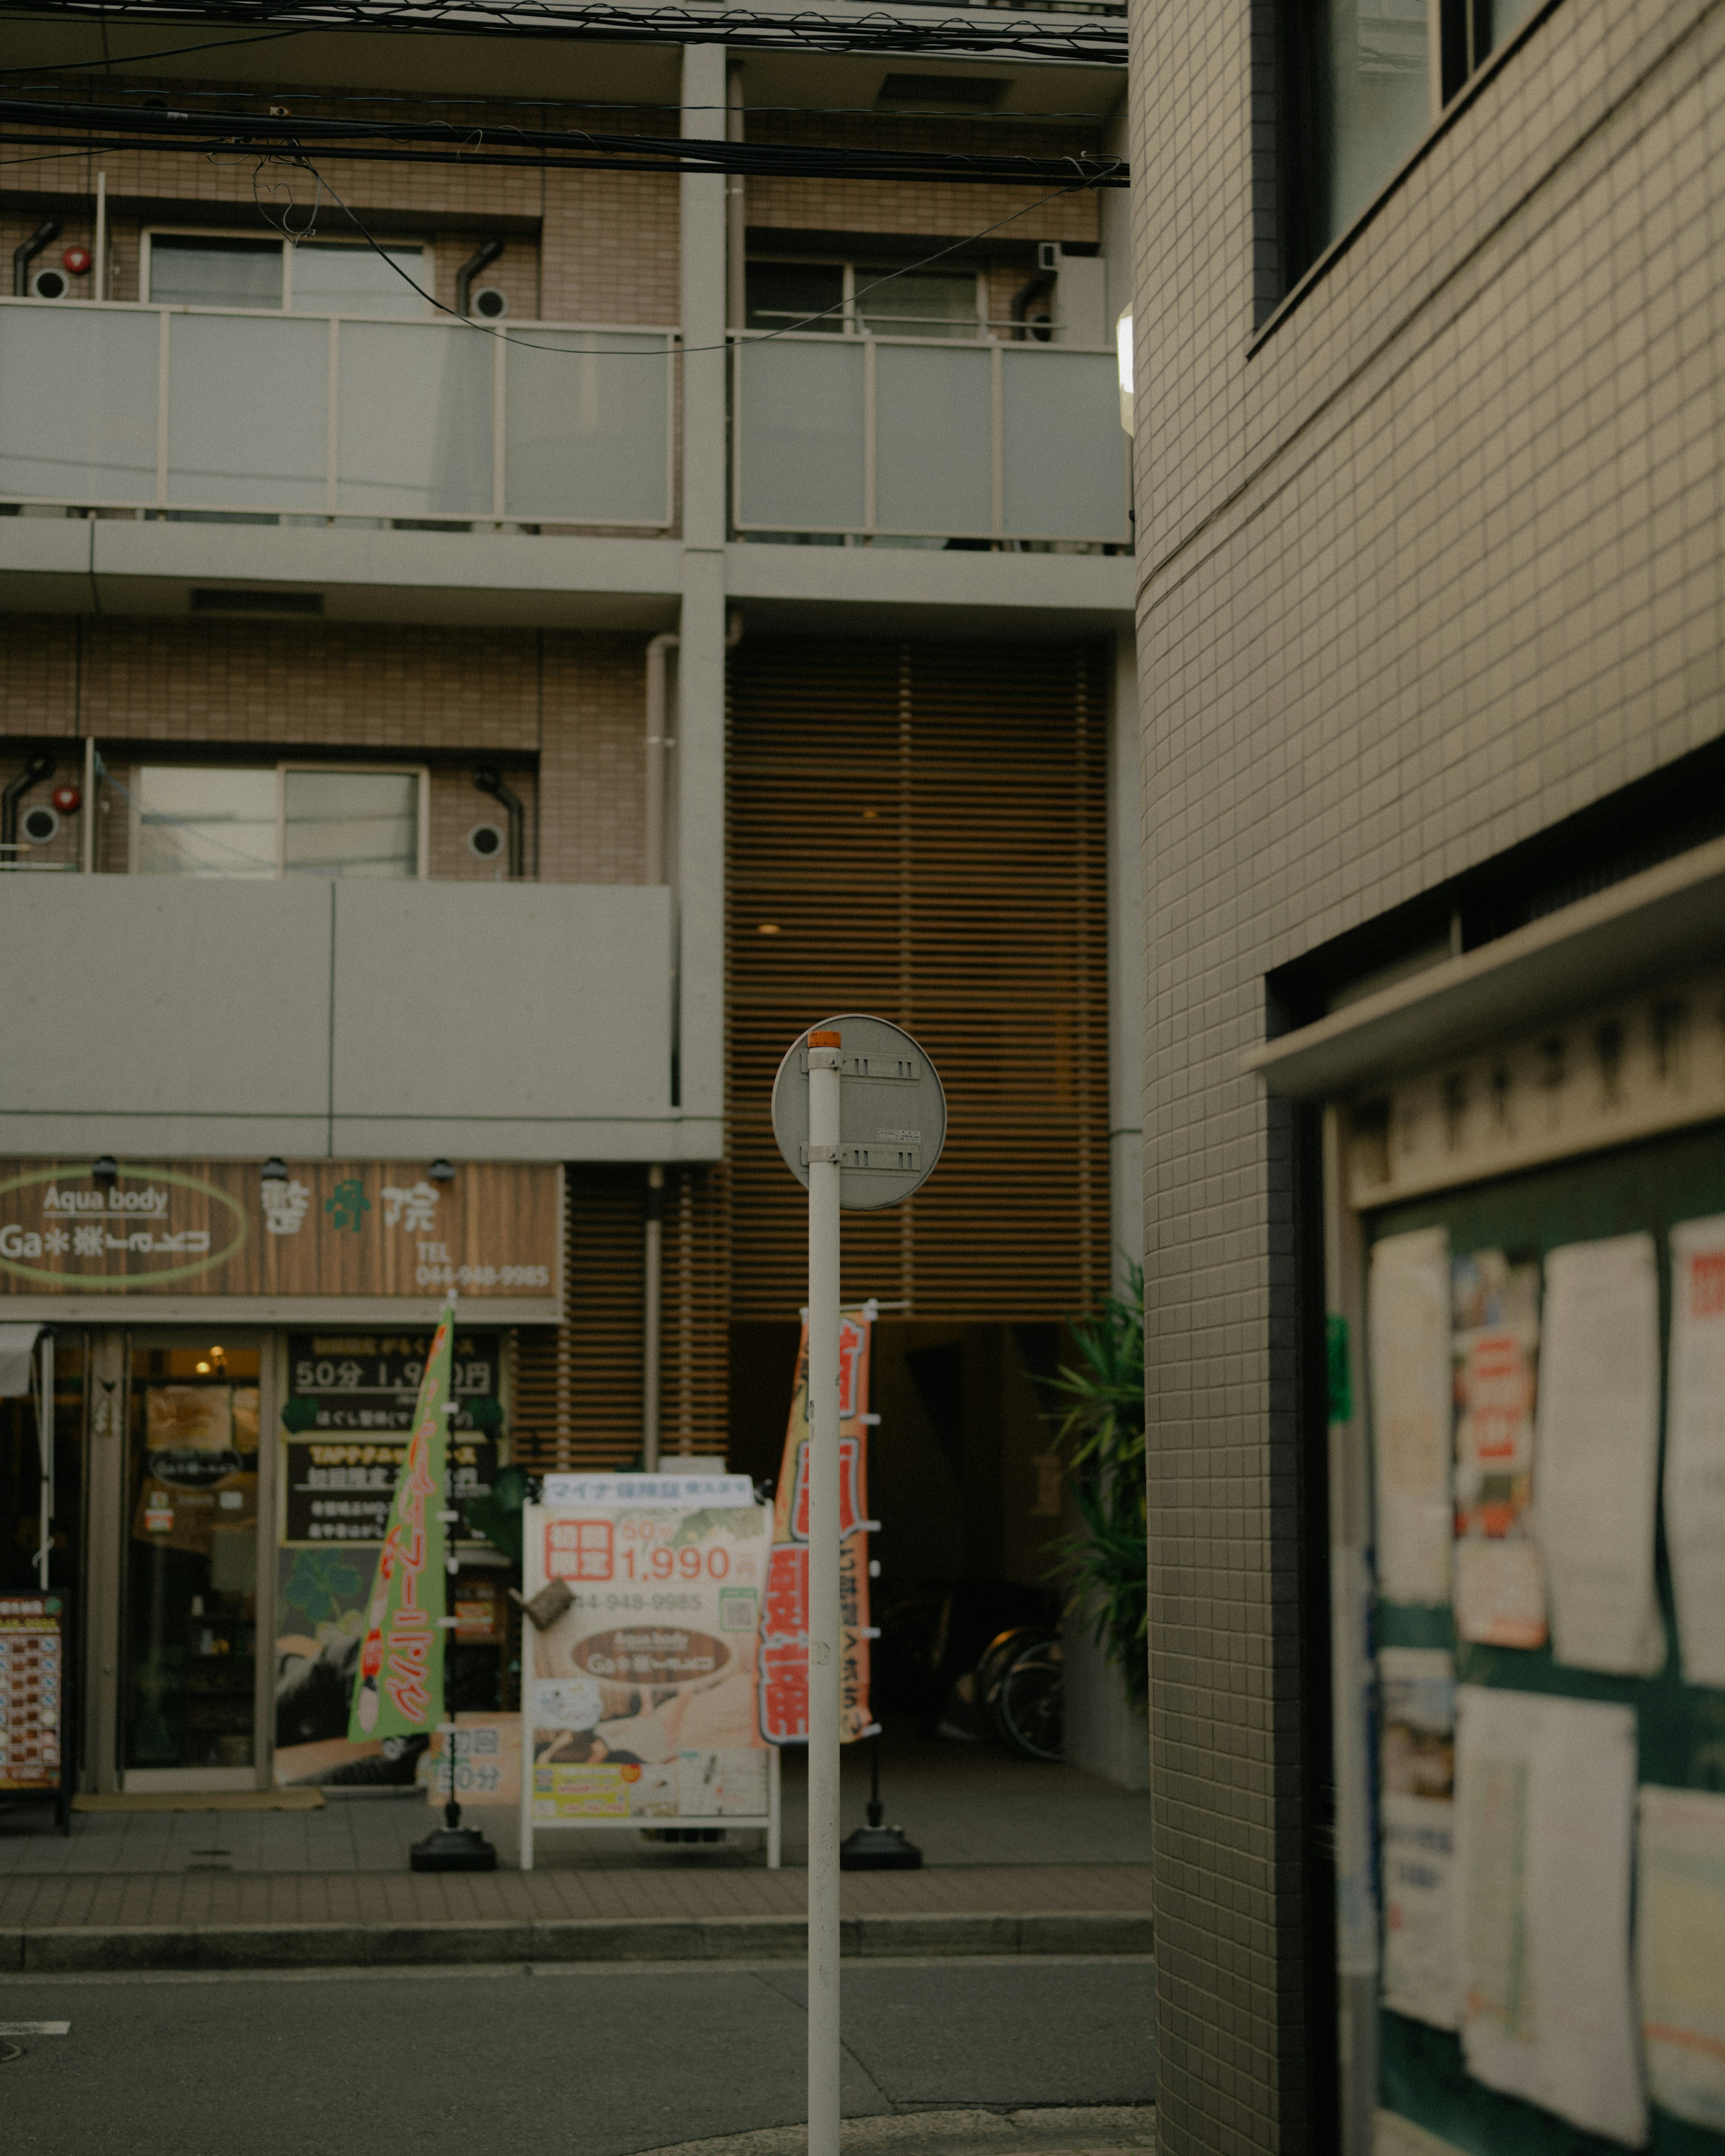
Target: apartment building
[[490, 654], [1430, 582]]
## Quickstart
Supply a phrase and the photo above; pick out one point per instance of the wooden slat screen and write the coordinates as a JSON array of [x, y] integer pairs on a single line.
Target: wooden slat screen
[[919, 831], [577, 1391]]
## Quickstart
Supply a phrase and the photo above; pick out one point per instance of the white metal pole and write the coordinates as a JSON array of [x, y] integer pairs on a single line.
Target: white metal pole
[[824, 1088], [100, 265]]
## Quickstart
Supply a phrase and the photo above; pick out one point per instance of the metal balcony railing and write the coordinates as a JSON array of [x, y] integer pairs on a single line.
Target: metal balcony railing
[[129, 406], [919, 438]]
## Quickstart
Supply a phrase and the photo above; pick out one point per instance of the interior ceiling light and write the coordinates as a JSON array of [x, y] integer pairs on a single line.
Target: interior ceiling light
[[767, 928]]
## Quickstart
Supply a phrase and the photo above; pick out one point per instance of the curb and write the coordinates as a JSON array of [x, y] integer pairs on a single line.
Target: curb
[[1074, 2130], [66, 1950]]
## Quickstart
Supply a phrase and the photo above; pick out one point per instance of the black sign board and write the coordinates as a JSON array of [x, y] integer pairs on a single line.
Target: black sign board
[[351, 1406]]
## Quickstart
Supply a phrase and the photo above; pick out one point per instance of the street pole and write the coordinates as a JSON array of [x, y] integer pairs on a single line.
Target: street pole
[[823, 1607]]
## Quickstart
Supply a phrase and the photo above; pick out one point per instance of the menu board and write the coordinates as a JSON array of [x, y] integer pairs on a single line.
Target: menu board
[[32, 1691], [352, 1400]]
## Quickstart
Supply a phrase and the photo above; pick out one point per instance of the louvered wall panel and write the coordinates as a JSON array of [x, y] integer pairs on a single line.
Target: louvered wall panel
[[579, 1386], [694, 1360], [924, 827]]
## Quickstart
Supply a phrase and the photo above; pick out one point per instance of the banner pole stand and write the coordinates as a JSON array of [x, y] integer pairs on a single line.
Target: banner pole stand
[[824, 1593], [451, 1847]]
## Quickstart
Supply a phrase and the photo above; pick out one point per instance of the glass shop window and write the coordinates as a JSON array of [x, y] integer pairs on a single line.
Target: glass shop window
[[294, 820]]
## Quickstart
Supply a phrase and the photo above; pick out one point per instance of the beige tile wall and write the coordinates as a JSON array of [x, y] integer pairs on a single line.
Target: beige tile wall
[[462, 697], [1436, 565]]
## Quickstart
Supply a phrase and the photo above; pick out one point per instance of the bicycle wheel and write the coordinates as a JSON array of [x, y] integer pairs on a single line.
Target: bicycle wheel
[[1029, 1702]]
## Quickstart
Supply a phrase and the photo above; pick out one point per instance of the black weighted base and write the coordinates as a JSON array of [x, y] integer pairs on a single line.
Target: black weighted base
[[452, 1849], [879, 1849]]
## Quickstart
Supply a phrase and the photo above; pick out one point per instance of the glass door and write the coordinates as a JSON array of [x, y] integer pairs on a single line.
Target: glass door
[[189, 1623]]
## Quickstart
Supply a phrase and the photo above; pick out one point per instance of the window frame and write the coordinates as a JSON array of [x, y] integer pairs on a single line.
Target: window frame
[[150, 233], [1292, 200], [851, 322], [280, 770]]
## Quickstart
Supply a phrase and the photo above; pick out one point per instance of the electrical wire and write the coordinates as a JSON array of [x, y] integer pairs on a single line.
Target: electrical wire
[[173, 53], [766, 337], [568, 149], [1094, 36]]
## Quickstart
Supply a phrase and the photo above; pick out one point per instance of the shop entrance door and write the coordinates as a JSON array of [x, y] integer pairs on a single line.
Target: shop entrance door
[[187, 1579]]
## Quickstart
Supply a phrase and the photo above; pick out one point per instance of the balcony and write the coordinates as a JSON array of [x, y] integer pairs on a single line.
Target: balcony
[[910, 439], [193, 411], [221, 1017]]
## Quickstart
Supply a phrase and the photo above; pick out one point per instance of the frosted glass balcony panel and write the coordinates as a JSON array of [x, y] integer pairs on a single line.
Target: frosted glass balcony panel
[[933, 454], [1064, 448], [588, 430], [413, 429], [801, 423], [247, 411], [77, 404]]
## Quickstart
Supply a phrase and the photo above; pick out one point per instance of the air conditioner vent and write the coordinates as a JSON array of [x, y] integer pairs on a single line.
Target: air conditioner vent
[[214, 599]]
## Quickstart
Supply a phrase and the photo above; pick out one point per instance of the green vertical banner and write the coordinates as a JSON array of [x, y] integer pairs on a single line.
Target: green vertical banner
[[399, 1691]]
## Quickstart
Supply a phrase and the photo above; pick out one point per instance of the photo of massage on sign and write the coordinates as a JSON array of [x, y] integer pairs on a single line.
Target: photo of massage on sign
[[643, 1679]]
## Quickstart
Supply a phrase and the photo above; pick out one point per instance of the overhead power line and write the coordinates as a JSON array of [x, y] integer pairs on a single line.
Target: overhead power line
[[42, 124], [1098, 40]]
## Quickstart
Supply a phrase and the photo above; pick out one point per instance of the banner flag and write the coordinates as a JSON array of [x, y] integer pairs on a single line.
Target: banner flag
[[400, 1692], [784, 1619]]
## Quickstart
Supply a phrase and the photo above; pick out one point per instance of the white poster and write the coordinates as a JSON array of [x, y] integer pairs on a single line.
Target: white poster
[[1408, 1344], [1679, 1951], [1695, 1447], [1598, 1450], [640, 1692], [1545, 1792], [1417, 1717], [1499, 1585]]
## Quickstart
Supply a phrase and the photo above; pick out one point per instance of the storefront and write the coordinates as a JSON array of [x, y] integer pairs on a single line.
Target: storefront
[[236, 1350], [1523, 1200]]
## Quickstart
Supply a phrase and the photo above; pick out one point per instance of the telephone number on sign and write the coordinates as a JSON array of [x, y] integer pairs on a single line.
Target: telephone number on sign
[[483, 1276], [686, 1602]]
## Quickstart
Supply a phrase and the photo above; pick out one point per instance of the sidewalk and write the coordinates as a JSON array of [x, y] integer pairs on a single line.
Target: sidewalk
[[1019, 1858]]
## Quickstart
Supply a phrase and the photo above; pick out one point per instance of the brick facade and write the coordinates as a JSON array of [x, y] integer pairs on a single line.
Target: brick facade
[[1437, 564]]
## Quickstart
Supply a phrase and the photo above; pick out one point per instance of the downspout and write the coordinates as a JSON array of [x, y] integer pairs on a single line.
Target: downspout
[[653, 1250], [486, 254], [491, 782], [38, 768], [25, 253], [658, 647], [652, 1318], [1043, 282]]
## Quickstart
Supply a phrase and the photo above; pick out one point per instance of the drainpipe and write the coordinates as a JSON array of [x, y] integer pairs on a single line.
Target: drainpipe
[[1037, 288], [25, 253], [652, 1325], [656, 741], [482, 258], [37, 769], [658, 649], [491, 782]]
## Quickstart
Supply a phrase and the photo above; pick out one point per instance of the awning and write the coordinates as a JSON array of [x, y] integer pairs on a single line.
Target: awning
[[17, 1344]]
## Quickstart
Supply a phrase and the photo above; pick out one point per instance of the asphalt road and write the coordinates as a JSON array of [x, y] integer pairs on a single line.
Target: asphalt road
[[600, 2062]]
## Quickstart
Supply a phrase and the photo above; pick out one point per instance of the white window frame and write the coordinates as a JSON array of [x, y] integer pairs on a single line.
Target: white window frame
[[152, 232], [851, 322], [422, 772]]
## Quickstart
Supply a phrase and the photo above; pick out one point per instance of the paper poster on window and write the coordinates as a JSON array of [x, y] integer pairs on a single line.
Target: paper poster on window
[[1408, 1346], [1598, 1452], [1695, 1448], [643, 1690], [1417, 1721], [1545, 1793], [1499, 1583], [1679, 1951]]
